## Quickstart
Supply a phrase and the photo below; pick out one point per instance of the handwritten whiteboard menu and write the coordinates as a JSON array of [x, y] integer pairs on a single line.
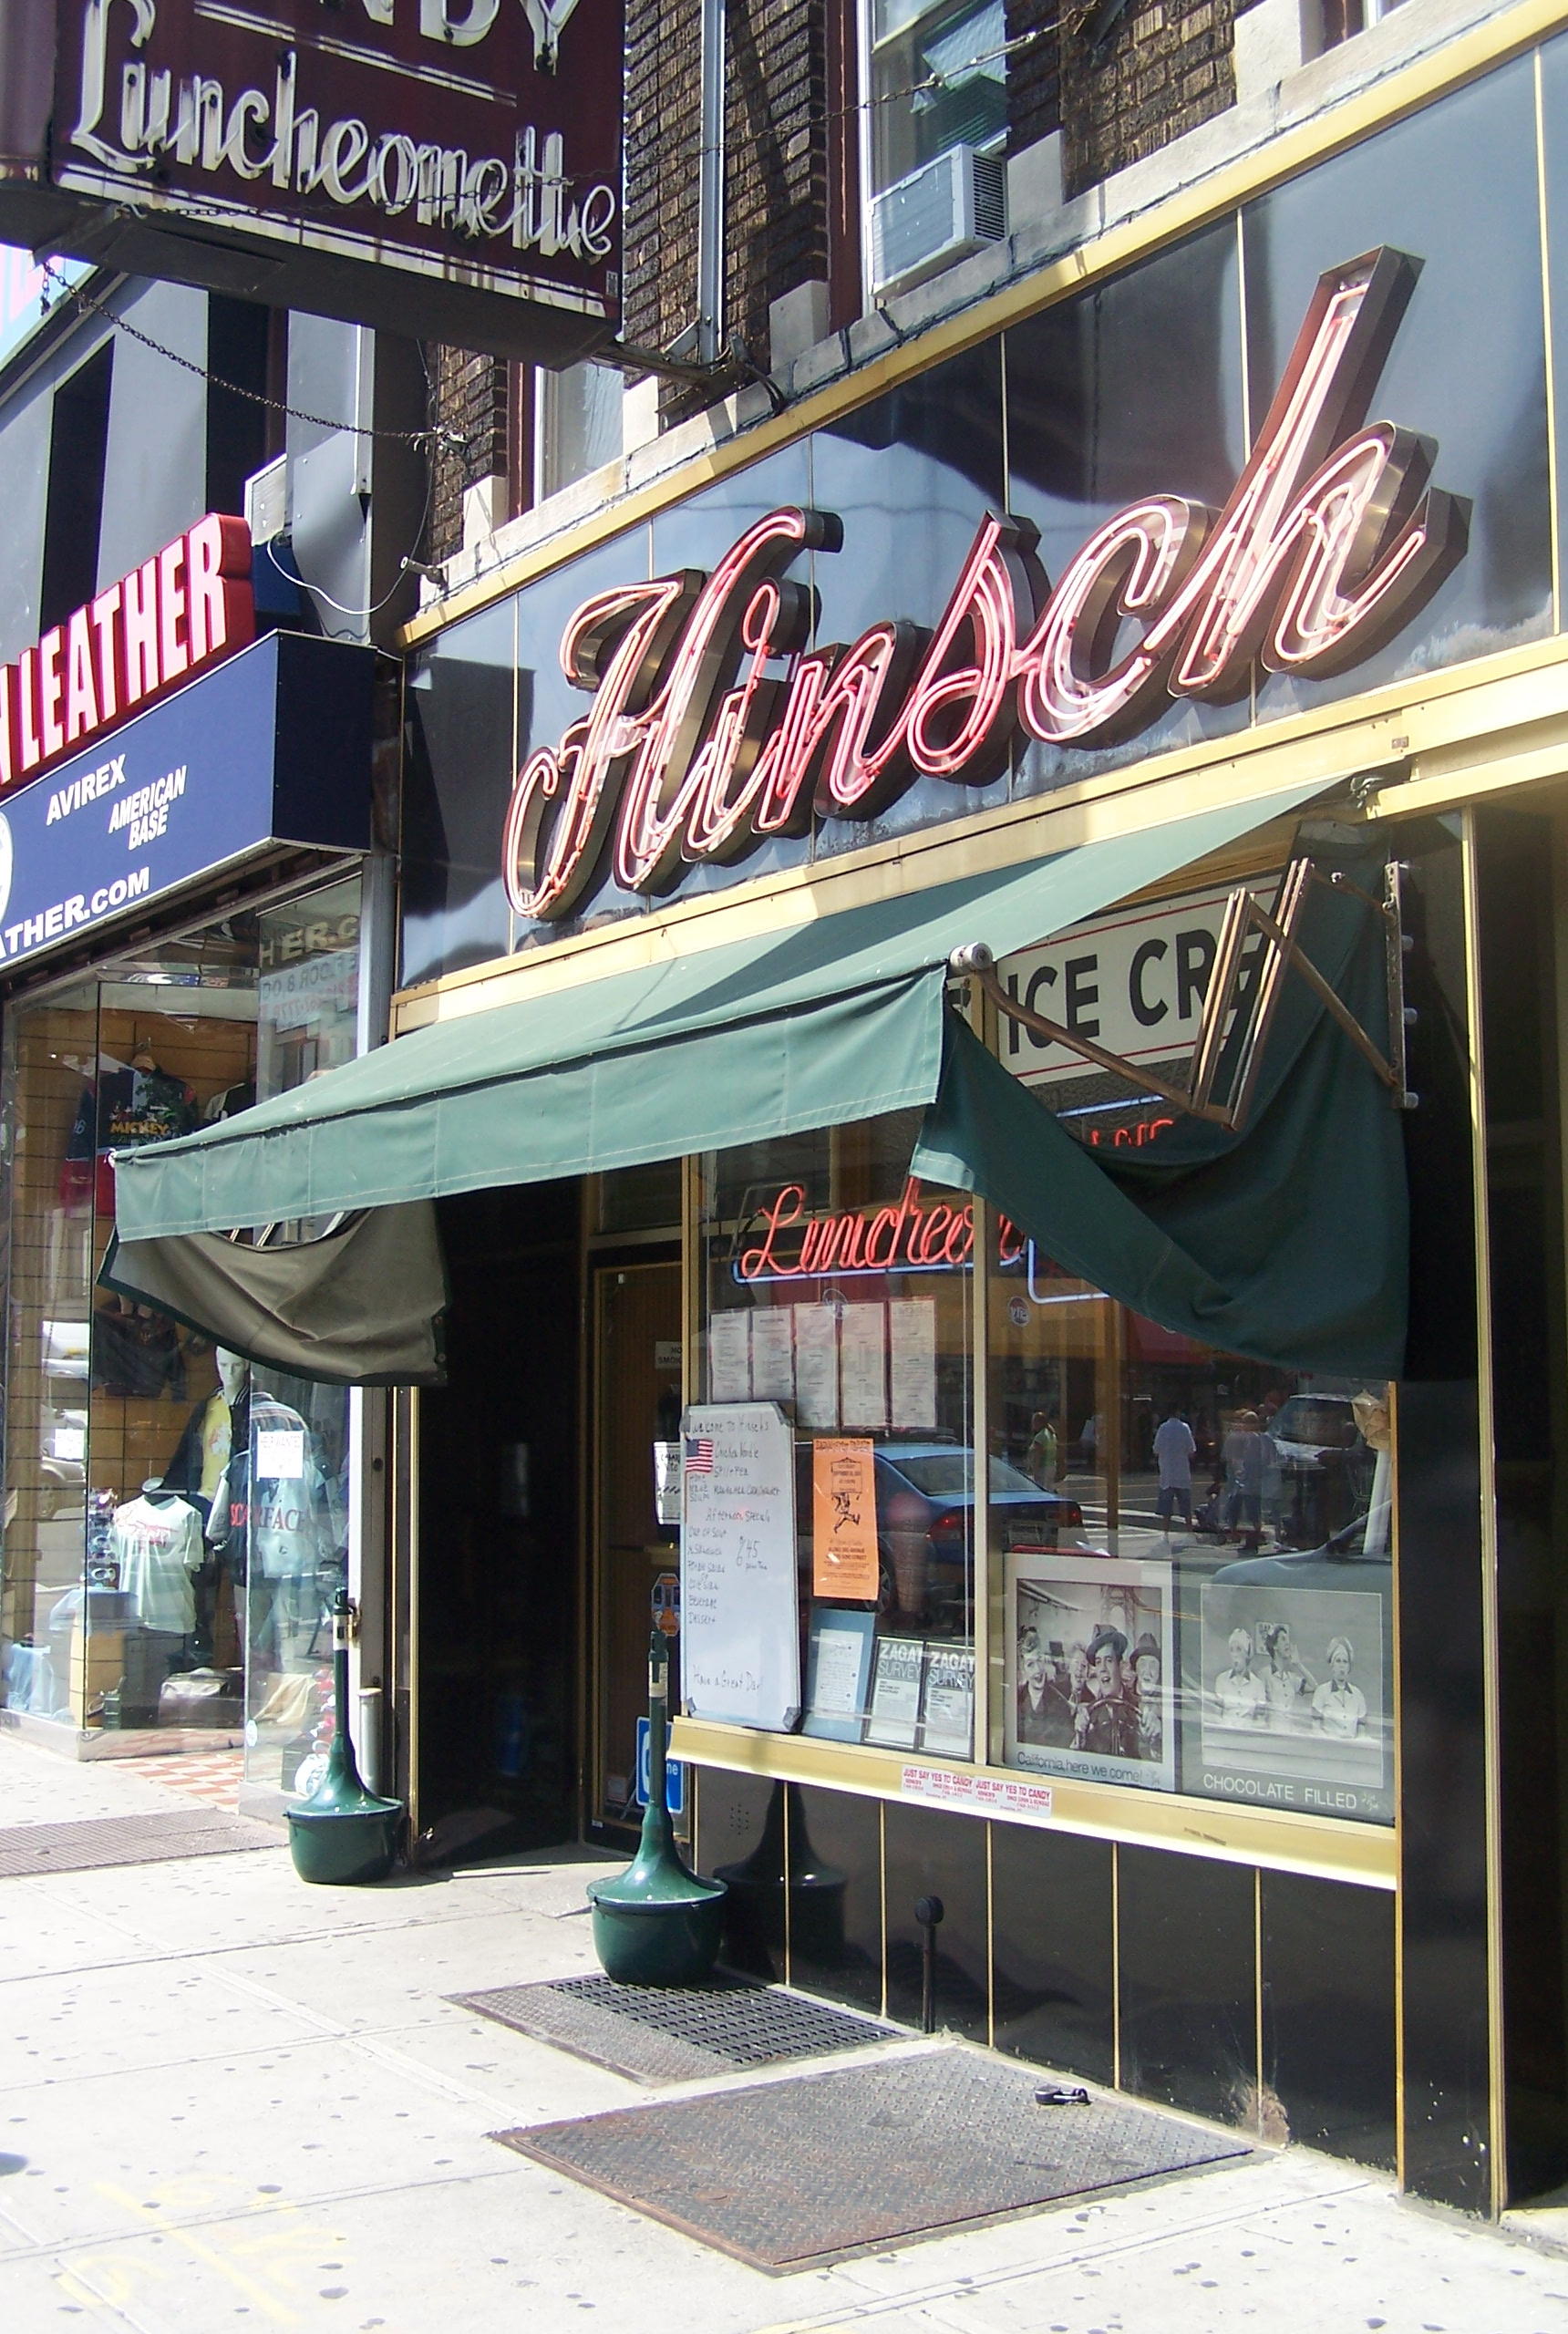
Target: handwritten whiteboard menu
[[740, 1615]]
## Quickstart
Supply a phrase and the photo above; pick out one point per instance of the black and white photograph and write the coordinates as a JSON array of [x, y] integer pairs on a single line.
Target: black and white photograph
[[1089, 1681], [1292, 1706]]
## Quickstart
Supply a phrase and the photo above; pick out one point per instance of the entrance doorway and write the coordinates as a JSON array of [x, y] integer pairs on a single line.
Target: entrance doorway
[[636, 1314], [498, 1532]]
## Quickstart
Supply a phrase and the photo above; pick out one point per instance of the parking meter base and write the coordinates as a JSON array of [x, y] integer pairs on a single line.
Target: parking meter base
[[657, 1923]]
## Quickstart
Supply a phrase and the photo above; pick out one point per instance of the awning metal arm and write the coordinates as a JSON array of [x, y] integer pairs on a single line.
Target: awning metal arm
[[1238, 986]]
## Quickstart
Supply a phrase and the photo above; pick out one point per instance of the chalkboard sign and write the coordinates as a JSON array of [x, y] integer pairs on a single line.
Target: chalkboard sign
[[740, 1631]]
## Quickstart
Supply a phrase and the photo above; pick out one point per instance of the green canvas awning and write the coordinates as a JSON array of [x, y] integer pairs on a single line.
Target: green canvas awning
[[833, 1020], [1287, 1241]]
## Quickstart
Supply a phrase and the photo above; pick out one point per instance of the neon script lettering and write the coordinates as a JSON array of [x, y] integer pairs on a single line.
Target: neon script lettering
[[783, 1240], [713, 725]]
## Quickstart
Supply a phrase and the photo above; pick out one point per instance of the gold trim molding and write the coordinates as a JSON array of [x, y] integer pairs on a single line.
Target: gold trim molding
[[1326, 1847]]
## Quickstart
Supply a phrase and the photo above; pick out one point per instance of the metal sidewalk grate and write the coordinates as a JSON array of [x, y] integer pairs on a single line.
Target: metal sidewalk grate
[[790, 2174], [675, 2034], [28, 1849]]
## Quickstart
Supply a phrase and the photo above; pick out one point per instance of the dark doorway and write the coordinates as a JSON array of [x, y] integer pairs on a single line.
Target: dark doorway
[[499, 1533]]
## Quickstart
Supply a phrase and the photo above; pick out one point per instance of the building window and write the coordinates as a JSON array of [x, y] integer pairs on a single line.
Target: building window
[[938, 79], [176, 1521], [577, 424], [934, 135], [1342, 19], [1174, 1566]]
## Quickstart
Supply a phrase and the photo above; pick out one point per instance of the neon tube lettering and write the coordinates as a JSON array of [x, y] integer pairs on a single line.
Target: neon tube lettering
[[714, 726]]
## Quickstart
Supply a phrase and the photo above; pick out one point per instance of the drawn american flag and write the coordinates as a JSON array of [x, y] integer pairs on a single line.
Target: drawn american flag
[[699, 1454]]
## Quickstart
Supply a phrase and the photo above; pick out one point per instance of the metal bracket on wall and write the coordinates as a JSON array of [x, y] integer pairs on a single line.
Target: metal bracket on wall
[[1242, 1000]]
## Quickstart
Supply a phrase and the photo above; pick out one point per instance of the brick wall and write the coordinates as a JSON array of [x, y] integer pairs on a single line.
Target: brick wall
[[1165, 66], [468, 394], [776, 193], [1034, 72], [1164, 69]]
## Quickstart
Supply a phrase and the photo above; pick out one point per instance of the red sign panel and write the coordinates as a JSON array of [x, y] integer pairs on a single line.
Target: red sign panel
[[475, 143], [185, 608], [713, 727]]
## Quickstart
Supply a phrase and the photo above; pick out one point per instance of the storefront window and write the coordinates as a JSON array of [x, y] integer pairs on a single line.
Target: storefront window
[[174, 1521], [1224, 1629], [838, 1293]]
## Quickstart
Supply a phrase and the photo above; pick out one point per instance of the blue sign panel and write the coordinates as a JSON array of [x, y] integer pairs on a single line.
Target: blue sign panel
[[675, 1772], [271, 747]]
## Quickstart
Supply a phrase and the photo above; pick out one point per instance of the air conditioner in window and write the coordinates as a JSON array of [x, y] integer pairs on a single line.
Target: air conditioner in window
[[939, 213]]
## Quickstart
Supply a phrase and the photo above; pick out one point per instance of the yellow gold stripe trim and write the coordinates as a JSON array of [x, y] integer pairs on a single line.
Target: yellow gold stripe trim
[[1280, 1841], [1286, 156]]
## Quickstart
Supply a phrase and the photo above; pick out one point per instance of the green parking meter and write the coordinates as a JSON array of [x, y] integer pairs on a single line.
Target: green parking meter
[[657, 1923]]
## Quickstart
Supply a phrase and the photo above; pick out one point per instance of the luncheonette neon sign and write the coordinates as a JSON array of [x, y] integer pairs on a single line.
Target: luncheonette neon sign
[[782, 1239], [712, 727]]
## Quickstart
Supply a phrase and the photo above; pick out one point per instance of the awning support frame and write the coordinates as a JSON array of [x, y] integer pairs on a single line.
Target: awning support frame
[[1227, 996]]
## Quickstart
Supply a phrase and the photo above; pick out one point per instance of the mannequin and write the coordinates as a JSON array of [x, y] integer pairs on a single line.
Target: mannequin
[[202, 1456], [200, 1471]]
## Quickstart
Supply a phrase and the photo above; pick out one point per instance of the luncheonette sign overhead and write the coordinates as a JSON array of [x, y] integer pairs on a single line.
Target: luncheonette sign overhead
[[442, 167]]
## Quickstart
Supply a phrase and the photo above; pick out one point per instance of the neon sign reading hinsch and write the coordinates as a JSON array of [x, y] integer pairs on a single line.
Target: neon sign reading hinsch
[[713, 727]]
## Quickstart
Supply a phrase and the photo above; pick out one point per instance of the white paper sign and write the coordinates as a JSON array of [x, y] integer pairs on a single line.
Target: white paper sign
[[741, 1626], [730, 1357], [280, 1454], [912, 1354], [862, 1366], [773, 1354], [816, 1367]]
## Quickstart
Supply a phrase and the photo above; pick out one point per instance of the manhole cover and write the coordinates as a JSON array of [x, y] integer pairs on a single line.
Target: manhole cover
[[675, 2034], [820, 2166], [28, 1849]]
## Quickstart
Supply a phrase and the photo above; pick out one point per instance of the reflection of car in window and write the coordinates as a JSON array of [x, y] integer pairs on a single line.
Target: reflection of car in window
[[926, 1505], [1342, 1562], [1325, 1466]]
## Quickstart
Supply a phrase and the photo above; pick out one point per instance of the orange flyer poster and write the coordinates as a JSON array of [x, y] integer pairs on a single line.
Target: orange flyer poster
[[845, 1518]]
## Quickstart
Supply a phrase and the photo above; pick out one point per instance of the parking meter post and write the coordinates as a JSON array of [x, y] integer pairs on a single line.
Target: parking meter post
[[928, 1914], [657, 1923], [344, 1833], [658, 1721]]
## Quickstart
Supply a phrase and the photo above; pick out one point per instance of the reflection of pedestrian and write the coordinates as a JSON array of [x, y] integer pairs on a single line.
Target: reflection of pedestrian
[[1108, 1723], [1340, 1707], [1287, 1682], [1044, 1716], [1093, 1428], [1146, 1674], [1041, 1462], [1238, 1690], [1245, 1453], [1174, 1444]]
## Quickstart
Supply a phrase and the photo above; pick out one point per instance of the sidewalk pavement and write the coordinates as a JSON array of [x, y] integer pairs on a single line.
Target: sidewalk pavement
[[230, 2100]]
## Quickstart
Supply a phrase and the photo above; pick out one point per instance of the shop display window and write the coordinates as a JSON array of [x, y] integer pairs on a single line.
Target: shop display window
[[175, 1523], [1188, 1561], [1224, 1627], [838, 1302]]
